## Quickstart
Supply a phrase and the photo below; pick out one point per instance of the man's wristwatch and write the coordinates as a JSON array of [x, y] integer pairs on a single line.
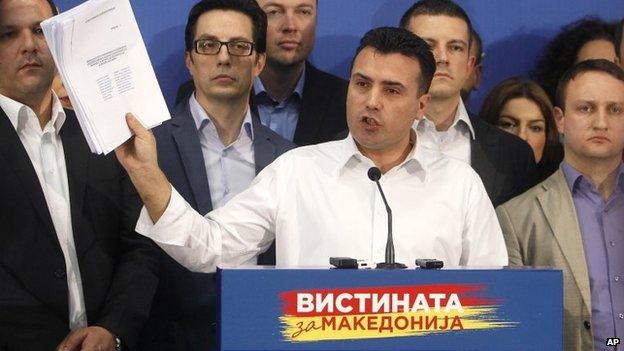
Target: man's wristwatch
[[117, 344]]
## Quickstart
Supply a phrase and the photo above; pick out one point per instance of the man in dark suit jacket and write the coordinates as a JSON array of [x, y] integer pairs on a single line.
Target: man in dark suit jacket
[[210, 150], [102, 290], [504, 162], [292, 97]]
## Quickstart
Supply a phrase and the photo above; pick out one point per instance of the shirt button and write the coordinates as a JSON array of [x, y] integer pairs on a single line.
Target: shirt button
[[60, 273], [612, 243], [588, 325], [617, 278], [621, 315]]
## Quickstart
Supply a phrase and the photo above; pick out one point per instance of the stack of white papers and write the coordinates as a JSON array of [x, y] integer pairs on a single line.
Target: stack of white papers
[[104, 65]]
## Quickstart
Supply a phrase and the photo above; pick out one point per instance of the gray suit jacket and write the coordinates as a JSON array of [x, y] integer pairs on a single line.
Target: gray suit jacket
[[541, 229]]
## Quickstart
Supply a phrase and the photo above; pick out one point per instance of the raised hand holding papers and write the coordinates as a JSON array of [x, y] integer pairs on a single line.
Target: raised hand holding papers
[[102, 59]]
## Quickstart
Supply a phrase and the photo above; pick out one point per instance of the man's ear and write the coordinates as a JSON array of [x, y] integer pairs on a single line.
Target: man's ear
[[188, 60], [260, 62], [559, 119]]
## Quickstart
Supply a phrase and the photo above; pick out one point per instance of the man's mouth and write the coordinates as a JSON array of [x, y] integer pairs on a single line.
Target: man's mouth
[[223, 77], [29, 65], [288, 44], [370, 123], [442, 75]]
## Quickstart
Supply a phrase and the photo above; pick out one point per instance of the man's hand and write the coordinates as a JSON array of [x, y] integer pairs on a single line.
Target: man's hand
[[138, 156], [88, 339]]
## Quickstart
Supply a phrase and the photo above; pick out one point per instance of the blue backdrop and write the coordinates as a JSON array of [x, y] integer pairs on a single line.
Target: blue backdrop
[[514, 32]]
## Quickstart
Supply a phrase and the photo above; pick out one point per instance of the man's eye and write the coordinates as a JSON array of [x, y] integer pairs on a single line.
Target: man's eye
[[273, 12], [616, 110], [306, 12], [457, 48], [584, 108]]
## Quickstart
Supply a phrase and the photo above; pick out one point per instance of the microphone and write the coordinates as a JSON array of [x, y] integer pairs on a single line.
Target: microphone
[[374, 174]]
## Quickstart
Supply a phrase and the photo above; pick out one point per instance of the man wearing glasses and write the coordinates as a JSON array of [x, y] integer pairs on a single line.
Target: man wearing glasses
[[210, 150]]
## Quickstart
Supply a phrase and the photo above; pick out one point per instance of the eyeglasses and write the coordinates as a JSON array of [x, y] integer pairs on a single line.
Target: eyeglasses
[[213, 47]]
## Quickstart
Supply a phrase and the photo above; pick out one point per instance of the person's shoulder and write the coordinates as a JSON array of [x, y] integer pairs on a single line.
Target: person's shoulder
[[492, 134], [527, 200], [322, 78], [180, 117], [446, 166], [262, 131]]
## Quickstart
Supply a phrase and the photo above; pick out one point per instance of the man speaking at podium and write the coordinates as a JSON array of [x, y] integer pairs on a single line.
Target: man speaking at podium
[[317, 201]]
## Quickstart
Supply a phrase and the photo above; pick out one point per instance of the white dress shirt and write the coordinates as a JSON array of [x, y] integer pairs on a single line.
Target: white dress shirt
[[454, 142], [229, 168], [45, 150], [317, 201]]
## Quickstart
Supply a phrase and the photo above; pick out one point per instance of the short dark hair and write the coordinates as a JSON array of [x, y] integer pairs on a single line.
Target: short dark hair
[[561, 53], [474, 36], [436, 8], [599, 65], [250, 8], [390, 40], [618, 37]]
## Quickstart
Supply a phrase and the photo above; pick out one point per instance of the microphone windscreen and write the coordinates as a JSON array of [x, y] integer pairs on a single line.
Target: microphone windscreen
[[374, 174]]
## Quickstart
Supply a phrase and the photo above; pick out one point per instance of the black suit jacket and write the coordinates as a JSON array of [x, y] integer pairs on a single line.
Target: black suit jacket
[[184, 313], [323, 112], [504, 162], [118, 266]]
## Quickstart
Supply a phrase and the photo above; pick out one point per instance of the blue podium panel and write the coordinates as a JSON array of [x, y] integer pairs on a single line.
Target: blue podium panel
[[411, 309]]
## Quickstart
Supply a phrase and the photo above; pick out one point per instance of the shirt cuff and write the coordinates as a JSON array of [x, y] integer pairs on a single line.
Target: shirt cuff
[[166, 229]]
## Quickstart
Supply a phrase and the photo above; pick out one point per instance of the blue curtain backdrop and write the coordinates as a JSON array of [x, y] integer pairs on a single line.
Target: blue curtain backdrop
[[514, 32]]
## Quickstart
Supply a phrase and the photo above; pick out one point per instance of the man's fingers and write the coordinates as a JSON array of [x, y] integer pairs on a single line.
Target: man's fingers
[[74, 340], [135, 126]]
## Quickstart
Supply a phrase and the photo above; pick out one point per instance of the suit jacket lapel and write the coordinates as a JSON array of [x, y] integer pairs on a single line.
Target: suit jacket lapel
[[558, 208], [18, 161], [186, 138], [311, 108], [264, 150], [77, 163], [481, 163]]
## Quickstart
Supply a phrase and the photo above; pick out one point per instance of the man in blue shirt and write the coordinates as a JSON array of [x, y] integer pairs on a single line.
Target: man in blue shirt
[[211, 150], [574, 220], [292, 97]]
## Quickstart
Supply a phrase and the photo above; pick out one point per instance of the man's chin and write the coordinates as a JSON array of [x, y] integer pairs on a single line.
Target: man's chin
[[283, 59], [441, 90]]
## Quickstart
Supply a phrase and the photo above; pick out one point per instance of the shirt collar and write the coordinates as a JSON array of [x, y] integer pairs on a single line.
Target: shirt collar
[[201, 118], [574, 177], [18, 113], [259, 87], [351, 156], [461, 118]]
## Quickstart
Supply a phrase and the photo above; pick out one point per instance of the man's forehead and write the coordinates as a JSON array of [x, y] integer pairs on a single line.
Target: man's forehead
[[224, 23], [287, 3], [595, 85], [434, 26], [20, 12], [398, 69]]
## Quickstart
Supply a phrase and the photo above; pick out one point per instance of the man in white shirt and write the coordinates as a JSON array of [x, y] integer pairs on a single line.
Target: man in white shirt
[[71, 265], [504, 162], [317, 201], [210, 150]]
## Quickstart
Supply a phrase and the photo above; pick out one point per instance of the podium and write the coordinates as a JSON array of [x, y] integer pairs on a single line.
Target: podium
[[264, 308]]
